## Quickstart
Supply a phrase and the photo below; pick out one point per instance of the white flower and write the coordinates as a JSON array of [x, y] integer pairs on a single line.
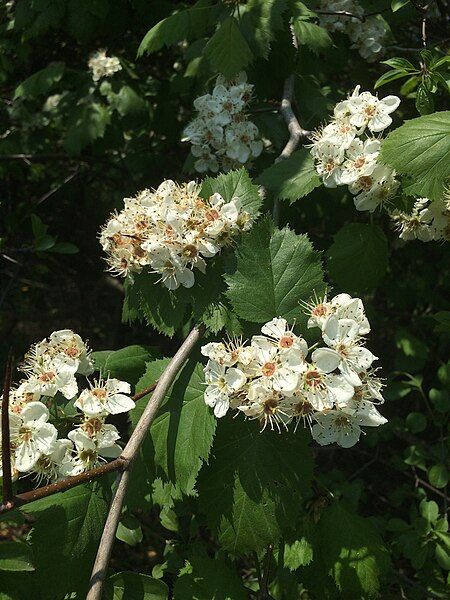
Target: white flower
[[105, 397], [342, 337], [369, 111], [426, 222], [374, 189], [222, 136], [47, 376], [346, 307], [278, 371], [278, 331], [221, 384], [268, 406], [361, 160], [47, 467], [31, 435], [102, 65], [329, 163], [322, 389], [337, 427]]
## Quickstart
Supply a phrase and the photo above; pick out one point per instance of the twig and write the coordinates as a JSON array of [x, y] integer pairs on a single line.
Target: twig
[[416, 585], [347, 14], [58, 187], [131, 449], [6, 446], [296, 132], [264, 592], [119, 464]]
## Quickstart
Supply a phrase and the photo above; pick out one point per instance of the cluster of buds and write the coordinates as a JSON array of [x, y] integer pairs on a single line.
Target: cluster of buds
[[51, 368], [426, 222], [346, 150], [102, 65], [272, 380], [222, 136], [367, 34], [170, 231]]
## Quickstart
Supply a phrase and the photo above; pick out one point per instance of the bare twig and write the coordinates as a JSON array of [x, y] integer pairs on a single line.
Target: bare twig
[[349, 15], [264, 585], [131, 449], [50, 193], [296, 132], [119, 464], [6, 447]]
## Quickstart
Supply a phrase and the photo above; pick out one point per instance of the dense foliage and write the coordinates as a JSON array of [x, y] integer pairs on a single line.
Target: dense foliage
[[106, 100]]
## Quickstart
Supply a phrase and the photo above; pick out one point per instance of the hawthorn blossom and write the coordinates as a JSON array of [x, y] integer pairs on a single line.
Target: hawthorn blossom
[[345, 153], [272, 380], [104, 397], [31, 435], [222, 136], [102, 65], [171, 231], [426, 222]]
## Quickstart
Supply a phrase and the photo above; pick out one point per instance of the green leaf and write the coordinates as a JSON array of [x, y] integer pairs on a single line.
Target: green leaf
[[65, 537], [183, 432], [38, 226], [87, 124], [429, 510], [398, 4], [65, 248], [259, 21], [351, 551], [292, 178], [15, 556], [127, 101], [442, 555], [135, 586], [209, 579], [390, 76], [40, 82], [443, 321], [424, 100], [416, 422], [232, 184], [129, 531], [227, 50], [248, 488], [358, 258], [128, 363], [401, 64], [316, 38], [298, 554], [438, 476], [275, 270], [420, 149], [220, 316], [182, 25]]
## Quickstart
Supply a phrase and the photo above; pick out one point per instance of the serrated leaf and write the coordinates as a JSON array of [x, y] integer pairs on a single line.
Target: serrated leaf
[[210, 579], [316, 38], [352, 551], [183, 431], [135, 586], [298, 554], [220, 316], [15, 556], [292, 178], [275, 270], [128, 363], [247, 489], [129, 530], [87, 124], [234, 184], [178, 27], [357, 260], [40, 82], [65, 536], [227, 50], [259, 21], [420, 150]]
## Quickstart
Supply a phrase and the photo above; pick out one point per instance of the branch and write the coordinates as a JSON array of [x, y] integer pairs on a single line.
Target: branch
[[118, 464], [129, 454], [6, 446], [296, 132], [349, 15]]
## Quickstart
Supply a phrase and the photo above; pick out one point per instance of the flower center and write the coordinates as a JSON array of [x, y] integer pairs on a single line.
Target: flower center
[[72, 351], [370, 110], [270, 406], [47, 376], [268, 369], [313, 378], [25, 434], [92, 426], [359, 162], [286, 341], [99, 393], [212, 215]]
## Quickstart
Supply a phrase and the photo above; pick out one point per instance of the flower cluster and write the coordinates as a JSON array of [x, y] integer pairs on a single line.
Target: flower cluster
[[222, 136], [367, 34], [51, 368], [102, 65], [426, 222], [170, 231], [346, 151], [273, 380]]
